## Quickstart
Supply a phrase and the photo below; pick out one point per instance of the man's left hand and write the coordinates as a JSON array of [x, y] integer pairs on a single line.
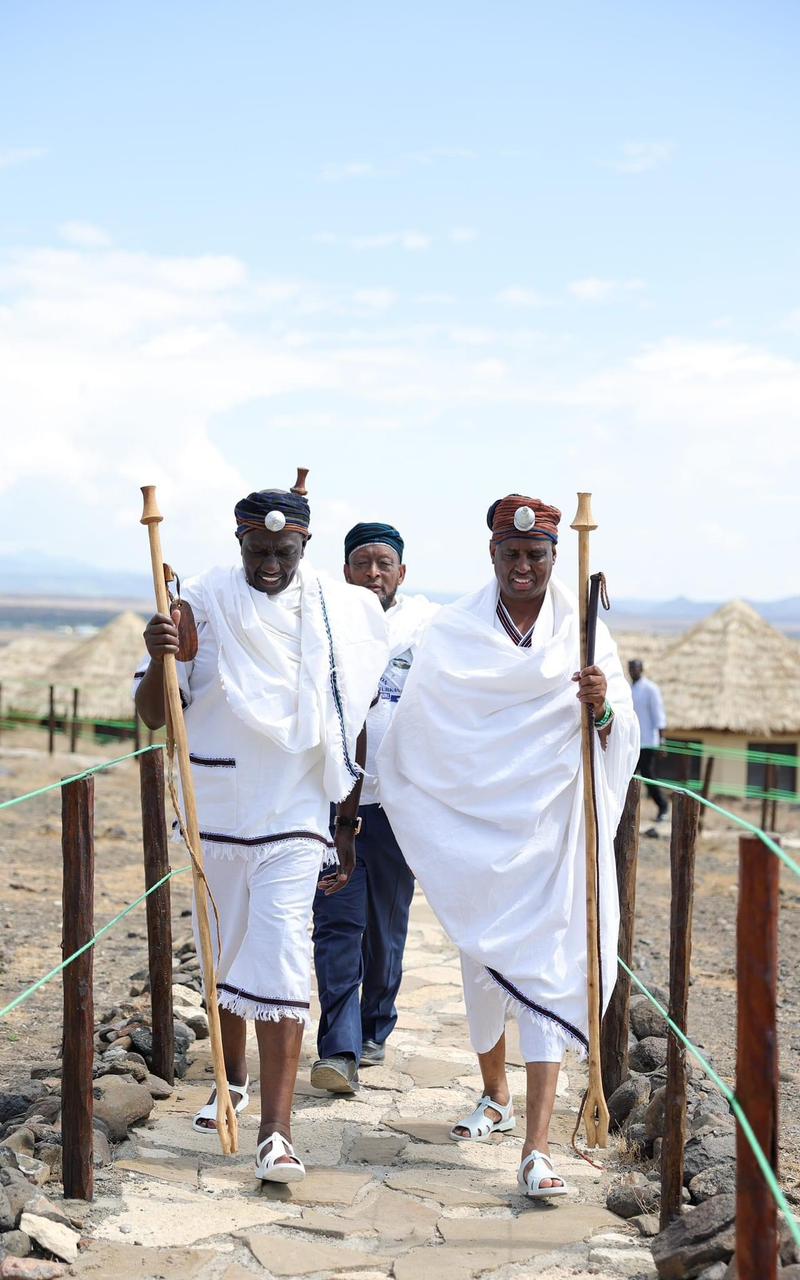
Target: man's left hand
[[592, 688], [345, 841]]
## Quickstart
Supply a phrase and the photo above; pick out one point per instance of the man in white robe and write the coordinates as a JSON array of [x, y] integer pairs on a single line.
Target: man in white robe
[[480, 774], [276, 697], [360, 934]]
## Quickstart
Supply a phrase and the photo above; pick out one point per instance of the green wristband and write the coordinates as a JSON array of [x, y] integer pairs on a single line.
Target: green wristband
[[606, 717]]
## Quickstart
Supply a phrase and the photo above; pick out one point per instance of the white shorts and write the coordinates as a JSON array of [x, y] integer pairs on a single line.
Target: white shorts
[[264, 900], [488, 1009]]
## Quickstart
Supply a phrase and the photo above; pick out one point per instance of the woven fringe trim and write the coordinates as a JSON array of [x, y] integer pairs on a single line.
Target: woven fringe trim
[[516, 1009], [258, 1012], [329, 858], [215, 849]]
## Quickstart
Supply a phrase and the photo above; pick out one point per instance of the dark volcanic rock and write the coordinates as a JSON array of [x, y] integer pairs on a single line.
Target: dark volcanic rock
[[649, 1054], [654, 1116], [631, 1093], [633, 1197], [647, 1021], [706, 1150], [716, 1180], [693, 1242]]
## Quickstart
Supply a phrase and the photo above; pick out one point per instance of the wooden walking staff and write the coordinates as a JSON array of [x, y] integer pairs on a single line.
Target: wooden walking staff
[[227, 1128], [595, 1111]]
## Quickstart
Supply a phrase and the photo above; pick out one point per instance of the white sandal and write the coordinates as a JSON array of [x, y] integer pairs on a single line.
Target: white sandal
[[209, 1111], [532, 1172], [480, 1126], [267, 1168]]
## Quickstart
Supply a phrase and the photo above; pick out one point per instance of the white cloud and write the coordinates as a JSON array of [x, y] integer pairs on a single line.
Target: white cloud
[[85, 235], [124, 368], [642, 157], [517, 296], [593, 289], [463, 235], [11, 156]]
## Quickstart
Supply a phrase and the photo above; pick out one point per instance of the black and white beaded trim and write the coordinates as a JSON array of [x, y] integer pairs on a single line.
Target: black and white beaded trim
[[249, 842], [213, 762], [354, 772], [539, 1009]]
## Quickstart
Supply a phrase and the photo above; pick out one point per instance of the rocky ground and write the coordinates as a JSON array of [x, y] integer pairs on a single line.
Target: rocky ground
[[387, 1193]]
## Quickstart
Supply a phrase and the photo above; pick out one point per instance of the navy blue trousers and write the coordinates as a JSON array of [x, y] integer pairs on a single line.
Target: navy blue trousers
[[359, 938]]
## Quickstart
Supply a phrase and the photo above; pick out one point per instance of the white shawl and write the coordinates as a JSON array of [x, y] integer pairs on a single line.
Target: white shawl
[[407, 621], [302, 682], [480, 775]]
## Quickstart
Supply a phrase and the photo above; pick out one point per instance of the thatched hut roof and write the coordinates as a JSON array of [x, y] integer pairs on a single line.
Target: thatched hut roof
[[101, 666], [732, 672]]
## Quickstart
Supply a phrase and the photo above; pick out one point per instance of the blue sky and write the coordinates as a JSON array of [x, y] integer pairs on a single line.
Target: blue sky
[[436, 252]]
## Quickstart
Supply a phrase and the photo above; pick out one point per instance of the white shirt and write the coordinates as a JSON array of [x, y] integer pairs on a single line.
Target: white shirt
[[649, 708], [406, 622]]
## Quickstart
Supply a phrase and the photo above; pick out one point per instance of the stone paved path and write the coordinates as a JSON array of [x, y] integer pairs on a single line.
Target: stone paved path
[[387, 1195]]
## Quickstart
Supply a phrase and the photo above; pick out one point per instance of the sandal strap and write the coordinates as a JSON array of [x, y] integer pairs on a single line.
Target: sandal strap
[[525, 1173], [280, 1147], [479, 1123]]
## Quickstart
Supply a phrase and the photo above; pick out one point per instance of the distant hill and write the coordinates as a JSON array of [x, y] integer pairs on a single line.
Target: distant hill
[[73, 585], [32, 573]]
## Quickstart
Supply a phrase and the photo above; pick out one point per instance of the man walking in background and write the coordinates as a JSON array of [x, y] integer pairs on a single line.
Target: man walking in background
[[649, 707], [360, 933]]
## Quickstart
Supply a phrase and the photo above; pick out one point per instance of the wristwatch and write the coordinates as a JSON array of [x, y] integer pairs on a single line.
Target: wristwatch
[[353, 824]]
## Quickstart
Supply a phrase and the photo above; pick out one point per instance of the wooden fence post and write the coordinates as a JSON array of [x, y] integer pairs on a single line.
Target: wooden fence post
[[77, 843], [614, 1036], [74, 727], [707, 773], [682, 847], [51, 721], [757, 1056], [159, 917], [137, 731]]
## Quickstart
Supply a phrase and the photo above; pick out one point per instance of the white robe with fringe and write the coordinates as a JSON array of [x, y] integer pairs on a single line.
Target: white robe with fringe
[[481, 778], [275, 699]]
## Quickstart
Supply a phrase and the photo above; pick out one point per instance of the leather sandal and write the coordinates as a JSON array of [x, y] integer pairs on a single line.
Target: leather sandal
[[480, 1126], [209, 1111], [267, 1168], [533, 1170]]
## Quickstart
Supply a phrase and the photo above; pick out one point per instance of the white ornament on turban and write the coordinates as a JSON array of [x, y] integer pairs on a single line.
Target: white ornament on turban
[[524, 519], [275, 521]]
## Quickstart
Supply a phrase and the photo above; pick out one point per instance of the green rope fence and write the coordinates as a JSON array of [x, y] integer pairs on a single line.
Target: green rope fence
[[735, 1106], [771, 844], [763, 1163], [59, 968], [85, 773]]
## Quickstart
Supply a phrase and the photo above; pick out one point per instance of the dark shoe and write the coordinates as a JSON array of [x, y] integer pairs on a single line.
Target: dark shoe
[[336, 1075], [372, 1053]]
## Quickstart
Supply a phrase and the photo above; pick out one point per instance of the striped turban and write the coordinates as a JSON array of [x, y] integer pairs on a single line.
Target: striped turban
[[519, 517], [364, 535], [276, 510]]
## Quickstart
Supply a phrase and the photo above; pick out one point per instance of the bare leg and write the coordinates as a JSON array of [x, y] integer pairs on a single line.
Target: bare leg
[[279, 1054], [234, 1039], [495, 1081], [541, 1097]]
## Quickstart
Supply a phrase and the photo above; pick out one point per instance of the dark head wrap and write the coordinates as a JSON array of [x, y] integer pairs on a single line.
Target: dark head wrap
[[519, 517], [362, 535], [254, 512]]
